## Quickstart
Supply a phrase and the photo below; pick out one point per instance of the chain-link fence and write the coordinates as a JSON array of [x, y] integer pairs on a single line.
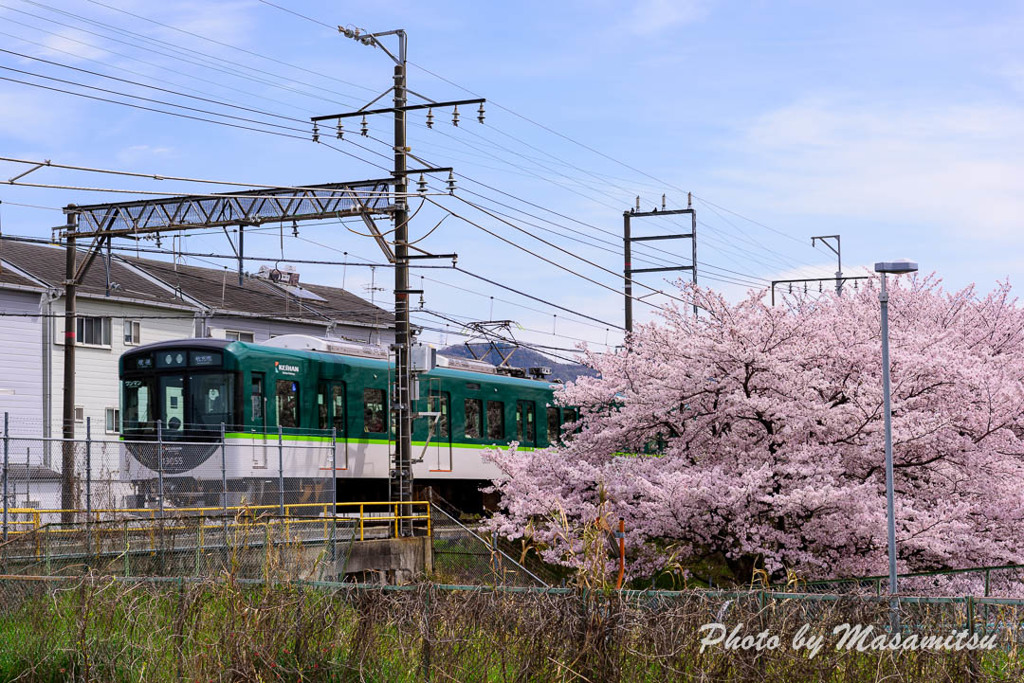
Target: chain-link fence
[[251, 504], [46, 480], [1002, 581]]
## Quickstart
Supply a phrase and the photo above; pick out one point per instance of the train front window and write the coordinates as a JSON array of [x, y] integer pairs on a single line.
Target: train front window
[[182, 403], [138, 405], [212, 399]]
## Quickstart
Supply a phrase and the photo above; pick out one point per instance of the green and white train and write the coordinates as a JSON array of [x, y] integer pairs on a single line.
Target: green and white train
[[297, 411]]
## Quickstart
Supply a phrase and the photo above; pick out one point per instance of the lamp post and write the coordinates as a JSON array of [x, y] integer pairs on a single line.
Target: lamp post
[[896, 268]]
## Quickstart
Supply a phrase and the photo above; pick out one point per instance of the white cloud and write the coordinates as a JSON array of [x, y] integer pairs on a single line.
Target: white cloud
[[130, 156], [654, 16], [73, 43], [225, 22], [958, 167]]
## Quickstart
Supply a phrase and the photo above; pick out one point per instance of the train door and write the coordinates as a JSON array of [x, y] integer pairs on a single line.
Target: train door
[[439, 444], [173, 391], [258, 420], [526, 424]]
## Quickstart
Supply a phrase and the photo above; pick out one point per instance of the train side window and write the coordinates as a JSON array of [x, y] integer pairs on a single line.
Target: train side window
[[287, 403], [338, 407], [569, 415], [321, 406], [496, 420], [373, 410], [554, 427], [256, 397], [474, 418]]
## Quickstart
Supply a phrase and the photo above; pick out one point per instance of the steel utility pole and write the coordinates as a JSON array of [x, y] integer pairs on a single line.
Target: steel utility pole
[[838, 251], [401, 482], [628, 239], [402, 396], [67, 462]]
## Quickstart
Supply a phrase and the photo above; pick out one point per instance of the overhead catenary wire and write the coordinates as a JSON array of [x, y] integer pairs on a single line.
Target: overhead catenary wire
[[119, 67], [364, 147], [483, 278], [152, 87], [212, 62], [543, 258], [527, 119]]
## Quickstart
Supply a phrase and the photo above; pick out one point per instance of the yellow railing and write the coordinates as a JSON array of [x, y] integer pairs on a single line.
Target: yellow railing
[[374, 513]]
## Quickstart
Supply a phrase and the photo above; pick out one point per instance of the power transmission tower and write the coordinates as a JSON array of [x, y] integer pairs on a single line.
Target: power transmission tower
[[402, 396], [627, 251]]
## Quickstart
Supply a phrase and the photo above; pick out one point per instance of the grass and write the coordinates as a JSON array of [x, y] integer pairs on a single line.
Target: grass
[[105, 630]]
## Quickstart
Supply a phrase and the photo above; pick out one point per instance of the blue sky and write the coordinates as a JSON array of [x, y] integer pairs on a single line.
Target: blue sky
[[898, 126]]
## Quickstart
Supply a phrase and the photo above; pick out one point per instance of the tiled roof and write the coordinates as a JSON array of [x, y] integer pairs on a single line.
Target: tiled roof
[[46, 263], [182, 284], [219, 290]]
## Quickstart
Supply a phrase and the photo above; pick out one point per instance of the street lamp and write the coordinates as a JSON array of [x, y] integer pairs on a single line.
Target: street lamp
[[896, 268]]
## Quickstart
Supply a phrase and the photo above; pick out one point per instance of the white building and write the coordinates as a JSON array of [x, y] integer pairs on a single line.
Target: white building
[[123, 302]]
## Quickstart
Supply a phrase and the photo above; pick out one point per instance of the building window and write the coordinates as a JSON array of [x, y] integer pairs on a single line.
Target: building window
[[113, 421], [132, 332], [495, 420], [474, 418], [238, 335], [93, 331], [79, 414], [373, 410]]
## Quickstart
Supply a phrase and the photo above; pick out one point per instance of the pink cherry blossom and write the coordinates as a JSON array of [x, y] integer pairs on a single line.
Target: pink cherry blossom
[[769, 433]]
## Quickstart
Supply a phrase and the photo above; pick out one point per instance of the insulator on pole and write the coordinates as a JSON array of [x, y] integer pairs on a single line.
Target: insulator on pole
[[480, 113], [638, 202], [364, 129], [295, 228], [455, 116], [421, 185], [662, 202], [316, 132], [451, 182], [430, 118], [341, 131]]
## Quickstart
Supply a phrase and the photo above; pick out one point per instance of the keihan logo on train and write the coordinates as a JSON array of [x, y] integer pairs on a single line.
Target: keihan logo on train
[[285, 369]]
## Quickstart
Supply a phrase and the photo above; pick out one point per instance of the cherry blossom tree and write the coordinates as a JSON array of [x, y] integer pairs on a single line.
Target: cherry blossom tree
[[752, 436]]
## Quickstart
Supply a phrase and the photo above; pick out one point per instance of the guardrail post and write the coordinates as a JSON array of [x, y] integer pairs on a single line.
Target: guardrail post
[[160, 466], [6, 463], [280, 469], [88, 471]]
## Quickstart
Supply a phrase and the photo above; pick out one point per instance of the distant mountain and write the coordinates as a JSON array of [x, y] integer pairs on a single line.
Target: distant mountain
[[523, 358]]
